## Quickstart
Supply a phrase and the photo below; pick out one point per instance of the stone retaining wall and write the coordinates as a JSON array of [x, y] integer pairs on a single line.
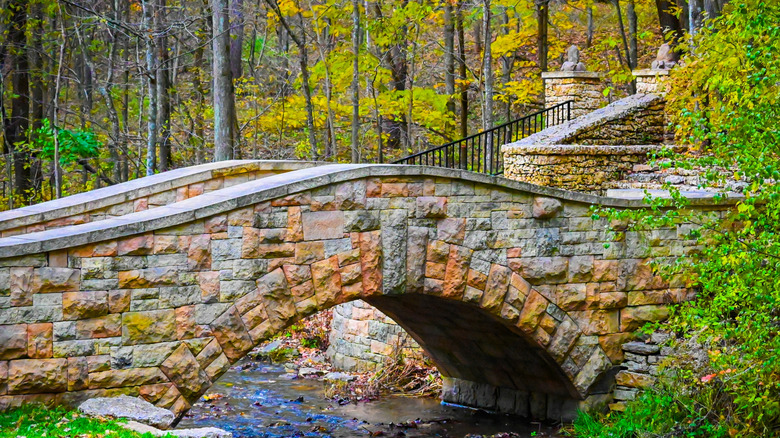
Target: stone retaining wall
[[362, 338], [592, 153], [639, 369]]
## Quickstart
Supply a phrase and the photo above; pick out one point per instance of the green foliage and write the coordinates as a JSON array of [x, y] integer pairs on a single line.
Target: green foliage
[[74, 144], [726, 99], [37, 421]]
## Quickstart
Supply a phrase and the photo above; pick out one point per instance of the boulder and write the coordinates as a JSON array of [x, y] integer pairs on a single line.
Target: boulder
[[136, 409], [338, 376], [201, 432]]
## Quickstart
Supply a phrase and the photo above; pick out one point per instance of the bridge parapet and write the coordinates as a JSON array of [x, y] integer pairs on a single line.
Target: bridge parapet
[[140, 194], [505, 284]]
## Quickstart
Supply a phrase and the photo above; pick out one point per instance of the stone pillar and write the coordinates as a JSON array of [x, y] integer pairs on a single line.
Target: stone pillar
[[651, 81], [585, 88]]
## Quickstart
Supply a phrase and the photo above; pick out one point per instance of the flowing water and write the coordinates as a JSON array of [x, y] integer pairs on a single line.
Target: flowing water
[[255, 399]]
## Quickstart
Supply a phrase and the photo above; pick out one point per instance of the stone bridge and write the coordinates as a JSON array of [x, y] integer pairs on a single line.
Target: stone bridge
[[518, 295]]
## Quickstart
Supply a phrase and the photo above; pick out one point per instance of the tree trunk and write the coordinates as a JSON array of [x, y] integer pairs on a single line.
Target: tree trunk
[[224, 94], [17, 125], [151, 84], [355, 147], [622, 31], [507, 62], [462, 73], [198, 138], [449, 56], [589, 39], [304, 52], [632, 34], [542, 14], [668, 21], [236, 37], [38, 76], [163, 90], [487, 66]]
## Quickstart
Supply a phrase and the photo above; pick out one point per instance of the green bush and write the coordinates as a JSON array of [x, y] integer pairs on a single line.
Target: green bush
[[726, 98]]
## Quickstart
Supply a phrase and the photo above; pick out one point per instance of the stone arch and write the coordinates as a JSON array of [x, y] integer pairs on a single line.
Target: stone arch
[[161, 302]]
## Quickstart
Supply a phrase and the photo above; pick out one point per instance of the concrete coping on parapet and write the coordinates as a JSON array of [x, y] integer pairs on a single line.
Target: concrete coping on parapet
[[138, 188], [572, 75], [559, 134], [649, 72], [273, 187]]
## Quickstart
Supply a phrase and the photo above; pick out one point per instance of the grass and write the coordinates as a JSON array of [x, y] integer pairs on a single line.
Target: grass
[[36, 421]]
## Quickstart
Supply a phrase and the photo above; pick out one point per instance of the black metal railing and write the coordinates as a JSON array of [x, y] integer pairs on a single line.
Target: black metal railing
[[482, 152]]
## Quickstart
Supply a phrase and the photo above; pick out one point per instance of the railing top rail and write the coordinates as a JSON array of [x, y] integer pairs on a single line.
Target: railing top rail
[[452, 143]]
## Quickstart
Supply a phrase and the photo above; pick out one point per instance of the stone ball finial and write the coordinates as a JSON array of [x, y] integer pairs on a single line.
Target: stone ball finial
[[665, 59], [573, 60]]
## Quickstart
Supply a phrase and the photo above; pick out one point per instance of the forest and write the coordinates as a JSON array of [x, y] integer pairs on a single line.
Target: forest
[[111, 90]]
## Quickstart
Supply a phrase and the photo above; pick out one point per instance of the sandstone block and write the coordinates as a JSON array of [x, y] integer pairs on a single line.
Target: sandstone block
[[431, 207], [30, 376], [319, 225], [633, 318], [56, 280], [13, 341], [149, 277], [148, 327], [546, 208], [231, 334], [183, 370], [39, 340], [21, 286], [496, 287], [532, 312], [140, 245], [88, 304]]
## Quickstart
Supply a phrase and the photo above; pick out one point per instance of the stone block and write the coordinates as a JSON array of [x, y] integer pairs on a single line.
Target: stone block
[[148, 327], [496, 287], [431, 207], [183, 370], [538, 270], [149, 277], [78, 373], [31, 376], [612, 345], [118, 378], [532, 312], [232, 335], [634, 380], [633, 318], [39, 340], [451, 230], [88, 304], [56, 280], [21, 286], [13, 341], [546, 208], [140, 245], [321, 225]]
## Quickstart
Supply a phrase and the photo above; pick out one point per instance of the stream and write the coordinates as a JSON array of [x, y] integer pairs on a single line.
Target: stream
[[257, 399]]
